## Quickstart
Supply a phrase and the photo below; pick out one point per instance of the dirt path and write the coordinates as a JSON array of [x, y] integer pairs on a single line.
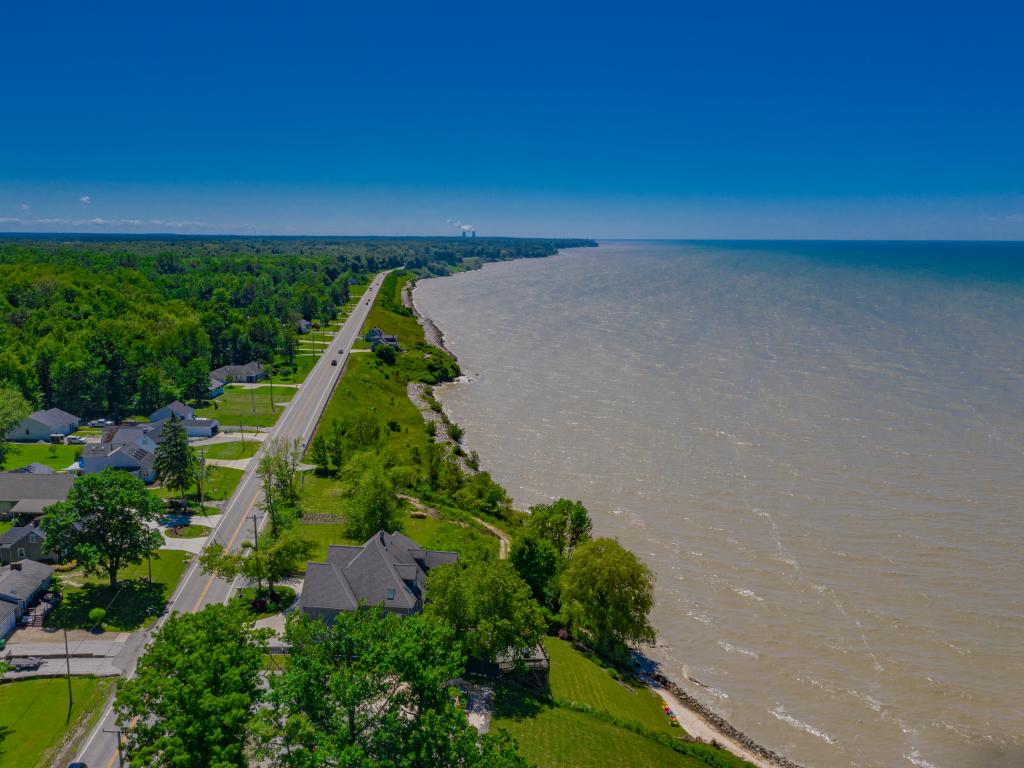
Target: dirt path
[[503, 539]]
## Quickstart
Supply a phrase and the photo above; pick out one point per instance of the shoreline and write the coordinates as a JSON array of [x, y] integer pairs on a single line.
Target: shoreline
[[697, 719]]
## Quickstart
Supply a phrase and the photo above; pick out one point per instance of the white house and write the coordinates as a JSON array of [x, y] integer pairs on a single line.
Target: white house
[[41, 424]]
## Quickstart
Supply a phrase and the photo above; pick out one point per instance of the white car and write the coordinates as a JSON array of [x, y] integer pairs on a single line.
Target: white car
[[75, 440]]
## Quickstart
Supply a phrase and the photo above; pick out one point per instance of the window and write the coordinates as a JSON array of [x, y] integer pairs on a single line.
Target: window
[[31, 538], [21, 553], [391, 594]]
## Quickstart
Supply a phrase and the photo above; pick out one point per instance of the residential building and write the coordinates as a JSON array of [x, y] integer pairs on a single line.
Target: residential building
[[187, 416], [389, 570], [22, 582], [304, 326], [41, 424], [26, 495], [24, 542], [177, 409], [216, 388], [35, 468], [8, 618], [249, 373], [376, 337], [134, 457]]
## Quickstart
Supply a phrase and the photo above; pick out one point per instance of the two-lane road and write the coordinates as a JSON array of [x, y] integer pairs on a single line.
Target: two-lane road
[[196, 589]]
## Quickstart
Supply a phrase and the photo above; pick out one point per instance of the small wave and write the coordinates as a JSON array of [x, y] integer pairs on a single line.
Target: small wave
[[787, 718], [920, 762], [696, 553], [730, 648], [743, 592], [699, 617]]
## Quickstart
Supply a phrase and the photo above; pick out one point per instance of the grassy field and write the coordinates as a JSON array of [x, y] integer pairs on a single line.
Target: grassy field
[[190, 532], [220, 483], [6, 525], [234, 450], [54, 456], [36, 712], [304, 363], [237, 404], [575, 678], [133, 605], [245, 596], [561, 738], [323, 535]]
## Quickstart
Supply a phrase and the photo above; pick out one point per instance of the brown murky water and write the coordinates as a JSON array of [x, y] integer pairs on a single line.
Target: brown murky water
[[823, 463]]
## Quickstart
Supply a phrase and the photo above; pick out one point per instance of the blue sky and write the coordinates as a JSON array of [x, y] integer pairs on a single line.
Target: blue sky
[[607, 120]]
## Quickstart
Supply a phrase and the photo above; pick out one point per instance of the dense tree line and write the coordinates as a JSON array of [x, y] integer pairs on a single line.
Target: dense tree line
[[122, 325]]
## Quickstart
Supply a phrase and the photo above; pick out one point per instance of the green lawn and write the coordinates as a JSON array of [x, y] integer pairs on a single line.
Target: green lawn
[[6, 525], [234, 450], [323, 535], [54, 456], [560, 738], [295, 375], [36, 712], [220, 483], [189, 532], [239, 405], [574, 677], [133, 605], [322, 495], [285, 597]]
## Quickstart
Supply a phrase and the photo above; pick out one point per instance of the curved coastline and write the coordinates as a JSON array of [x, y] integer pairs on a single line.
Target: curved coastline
[[699, 720]]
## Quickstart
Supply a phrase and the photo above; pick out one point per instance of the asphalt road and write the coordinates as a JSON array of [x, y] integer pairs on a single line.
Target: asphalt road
[[196, 589]]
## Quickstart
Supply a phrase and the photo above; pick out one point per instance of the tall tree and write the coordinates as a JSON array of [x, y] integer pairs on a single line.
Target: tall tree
[[539, 563], [489, 606], [176, 461], [372, 690], [277, 470], [194, 692], [13, 408], [196, 379], [373, 507], [270, 562], [566, 524], [104, 523], [319, 454], [607, 594]]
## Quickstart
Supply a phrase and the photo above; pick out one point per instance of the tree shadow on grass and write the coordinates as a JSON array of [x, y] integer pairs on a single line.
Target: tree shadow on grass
[[130, 605], [515, 703]]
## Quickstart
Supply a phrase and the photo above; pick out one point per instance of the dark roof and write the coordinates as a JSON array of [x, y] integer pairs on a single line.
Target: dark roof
[[178, 408], [53, 417], [16, 534], [226, 372], [35, 468], [389, 569], [22, 580], [6, 609], [17, 486]]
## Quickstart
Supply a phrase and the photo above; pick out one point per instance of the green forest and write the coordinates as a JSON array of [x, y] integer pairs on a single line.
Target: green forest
[[114, 327]]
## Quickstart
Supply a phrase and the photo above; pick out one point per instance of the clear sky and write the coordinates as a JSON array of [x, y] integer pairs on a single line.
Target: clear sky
[[675, 119]]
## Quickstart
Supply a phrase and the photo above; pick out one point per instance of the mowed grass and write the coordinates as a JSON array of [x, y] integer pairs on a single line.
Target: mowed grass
[[219, 484], [552, 737], [53, 456], [234, 450], [296, 373], [133, 604], [323, 535], [576, 678], [36, 712], [250, 407]]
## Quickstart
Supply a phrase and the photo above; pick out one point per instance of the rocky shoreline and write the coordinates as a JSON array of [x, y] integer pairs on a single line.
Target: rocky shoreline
[[715, 722]]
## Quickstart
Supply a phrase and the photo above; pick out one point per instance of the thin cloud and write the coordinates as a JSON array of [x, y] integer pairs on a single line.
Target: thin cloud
[[9, 220], [26, 207], [85, 199]]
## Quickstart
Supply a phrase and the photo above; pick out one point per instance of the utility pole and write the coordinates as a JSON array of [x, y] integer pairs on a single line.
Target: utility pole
[[202, 471], [149, 562], [67, 658], [270, 378], [117, 732], [256, 548]]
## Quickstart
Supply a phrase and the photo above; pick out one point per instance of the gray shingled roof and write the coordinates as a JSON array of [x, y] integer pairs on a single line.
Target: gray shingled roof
[[35, 468], [389, 569], [178, 408], [17, 486], [22, 580], [16, 534], [226, 372], [53, 417]]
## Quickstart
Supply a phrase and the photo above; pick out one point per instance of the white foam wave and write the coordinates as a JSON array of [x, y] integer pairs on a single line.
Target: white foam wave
[[787, 718], [744, 592], [915, 758], [730, 648]]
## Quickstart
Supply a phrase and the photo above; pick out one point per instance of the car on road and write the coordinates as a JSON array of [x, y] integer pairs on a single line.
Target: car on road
[[334, 362], [78, 765]]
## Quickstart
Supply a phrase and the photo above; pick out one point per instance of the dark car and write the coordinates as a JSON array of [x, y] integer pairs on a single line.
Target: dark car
[[334, 362], [78, 765]]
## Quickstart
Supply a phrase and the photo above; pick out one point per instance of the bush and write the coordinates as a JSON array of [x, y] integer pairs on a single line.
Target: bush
[[455, 432], [96, 617]]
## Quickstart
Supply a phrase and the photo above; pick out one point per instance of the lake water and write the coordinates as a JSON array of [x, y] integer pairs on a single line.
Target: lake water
[[817, 448]]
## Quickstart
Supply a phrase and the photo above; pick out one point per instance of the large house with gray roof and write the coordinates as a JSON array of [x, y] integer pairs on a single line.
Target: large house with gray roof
[[249, 373], [389, 570], [25, 495], [41, 424], [24, 542], [20, 584]]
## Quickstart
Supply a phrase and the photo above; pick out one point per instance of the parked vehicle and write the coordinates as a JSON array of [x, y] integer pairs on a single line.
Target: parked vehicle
[[75, 440]]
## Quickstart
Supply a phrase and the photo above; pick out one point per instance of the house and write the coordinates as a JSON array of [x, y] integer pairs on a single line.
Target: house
[[24, 494], [131, 456], [304, 326], [22, 582], [8, 618], [35, 468], [389, 570], [216, 388], [24, 542], [187, 416], [41, 424], [376, 337], [177, 409], [249, 373]]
